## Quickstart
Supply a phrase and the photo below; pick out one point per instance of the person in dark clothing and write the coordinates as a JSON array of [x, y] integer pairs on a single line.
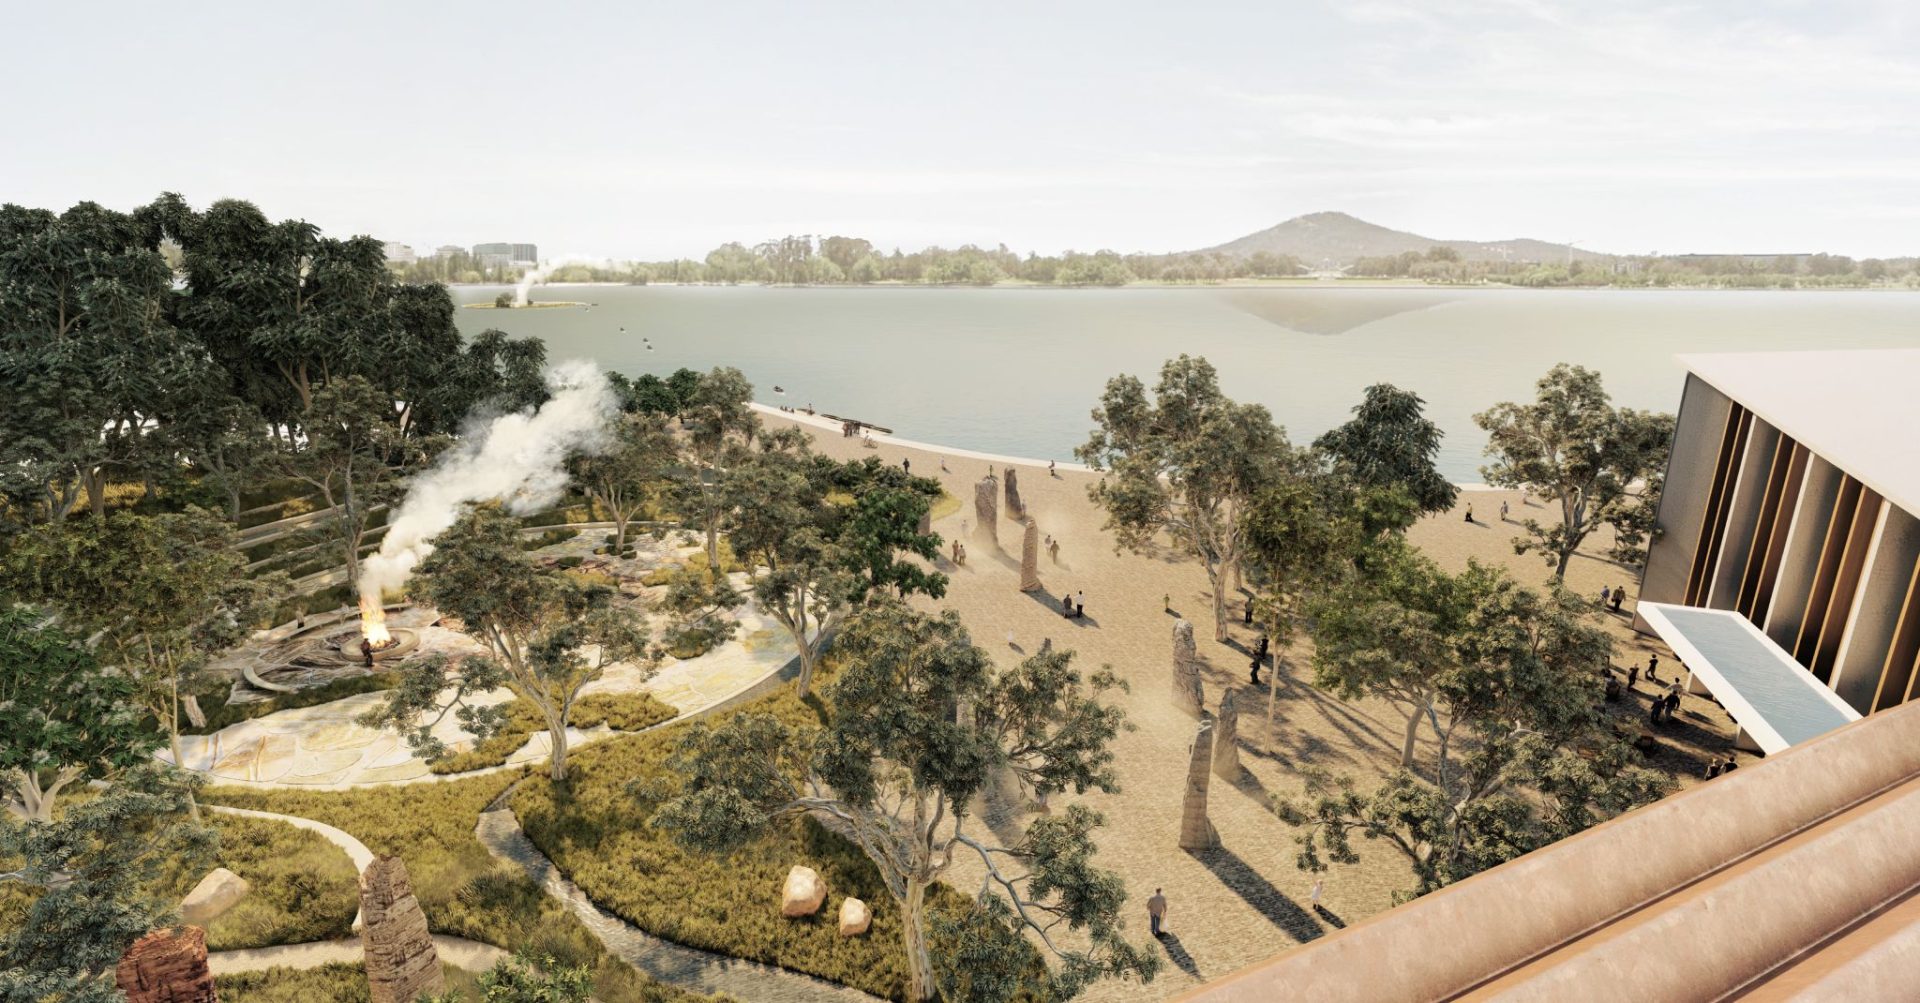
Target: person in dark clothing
[[366, 652], [1730, 767], [1619, 593], [1673, 704], [1713, 768], [1249, 616], [1653, 662], [906, 465], [1633, 676]]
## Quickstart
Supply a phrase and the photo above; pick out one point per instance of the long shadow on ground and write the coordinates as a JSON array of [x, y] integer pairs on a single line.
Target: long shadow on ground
[[1260, 893]]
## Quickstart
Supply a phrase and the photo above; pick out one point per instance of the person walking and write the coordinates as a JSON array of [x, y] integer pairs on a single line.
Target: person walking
[[1469, 511], [1053, 468], [943, 466], [1157, 912], [1053, 551], [1619, 593], [906, 465], [1503, 510], [1604, 595], [1080, 603], [1313, 897], [1633, 676], [1713, 768], [1249, 615], [1653, 662]]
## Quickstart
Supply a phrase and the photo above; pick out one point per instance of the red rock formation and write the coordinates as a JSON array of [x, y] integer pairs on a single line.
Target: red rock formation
[[167, 966]]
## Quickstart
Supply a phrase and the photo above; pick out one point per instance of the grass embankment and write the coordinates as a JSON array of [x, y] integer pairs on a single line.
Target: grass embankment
[[598, 835], [462, 889], [619, 711]]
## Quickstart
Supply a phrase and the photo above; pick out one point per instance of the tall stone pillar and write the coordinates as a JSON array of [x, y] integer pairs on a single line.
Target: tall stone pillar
[[1015, 509], [167, 966], [1030, 557], [1188, 694], [402, 964], [1196, 831], [986, 514], [1226, 735]]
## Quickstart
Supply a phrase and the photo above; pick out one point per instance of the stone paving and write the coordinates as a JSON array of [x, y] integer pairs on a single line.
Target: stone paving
[[686, 967]]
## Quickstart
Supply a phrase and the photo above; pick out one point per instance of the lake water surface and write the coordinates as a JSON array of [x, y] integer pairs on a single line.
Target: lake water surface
[[1017, 370]]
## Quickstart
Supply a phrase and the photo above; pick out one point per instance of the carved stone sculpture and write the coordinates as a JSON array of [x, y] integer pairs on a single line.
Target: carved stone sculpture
[[1188, 694], [167, 966], [1030, 558], [402, 964], [1015, 510], [986, 513], [1226, 735], [1196, 831]]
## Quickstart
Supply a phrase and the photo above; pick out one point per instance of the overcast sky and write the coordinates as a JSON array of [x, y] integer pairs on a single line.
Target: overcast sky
[[652, 130]]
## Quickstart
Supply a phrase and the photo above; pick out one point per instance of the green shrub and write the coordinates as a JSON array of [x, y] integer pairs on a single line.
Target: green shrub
[[330, 598], [597, 833], [569, 562], [462, 889], [549, 538], [620, 711], [301, 887]]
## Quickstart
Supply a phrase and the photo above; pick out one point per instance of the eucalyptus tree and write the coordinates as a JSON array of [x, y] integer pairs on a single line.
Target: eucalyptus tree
[[547, 635], [719, 428], [157, 596], [1571, 445], [1391, 443], [629, 476], [87, 354], [66, 718], [1522, 757], [1302, 540], [1186, 462], [918, 722], [99, 871], [352, 456]]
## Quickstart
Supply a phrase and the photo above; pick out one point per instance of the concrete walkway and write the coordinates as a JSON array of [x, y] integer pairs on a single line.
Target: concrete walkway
[[676, 964], [469, 955]]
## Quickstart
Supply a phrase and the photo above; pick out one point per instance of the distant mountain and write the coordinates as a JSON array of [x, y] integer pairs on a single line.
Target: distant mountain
[[1335, 239]]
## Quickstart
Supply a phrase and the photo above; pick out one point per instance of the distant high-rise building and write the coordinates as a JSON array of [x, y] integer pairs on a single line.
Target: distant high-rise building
[[448, 250], [507, 254], [399, 254]]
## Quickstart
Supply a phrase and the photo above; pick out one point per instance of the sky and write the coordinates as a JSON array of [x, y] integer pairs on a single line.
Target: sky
[[649, 131]]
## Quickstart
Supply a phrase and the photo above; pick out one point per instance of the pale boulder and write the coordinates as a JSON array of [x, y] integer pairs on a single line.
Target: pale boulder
[[219, 891], [855, 917], [804, 893]]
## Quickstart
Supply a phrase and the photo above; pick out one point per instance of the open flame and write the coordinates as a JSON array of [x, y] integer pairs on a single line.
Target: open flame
[[373, 624]]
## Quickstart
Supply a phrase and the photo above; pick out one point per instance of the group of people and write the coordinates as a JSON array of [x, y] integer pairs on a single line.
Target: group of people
[[1716, 768], [1612, 598], [1664, 705], [1073, 605], [959, 553]]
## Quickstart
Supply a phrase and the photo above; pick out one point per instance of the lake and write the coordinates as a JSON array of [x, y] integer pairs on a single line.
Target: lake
[[1016, 370]]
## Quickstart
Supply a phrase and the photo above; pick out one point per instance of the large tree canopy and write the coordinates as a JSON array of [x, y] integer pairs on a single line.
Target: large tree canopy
[[1391, 443], [1603, 464], [920, 720], [64, 717]]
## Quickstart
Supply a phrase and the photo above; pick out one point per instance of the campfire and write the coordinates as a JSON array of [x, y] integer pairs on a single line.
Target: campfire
[[373, 625]]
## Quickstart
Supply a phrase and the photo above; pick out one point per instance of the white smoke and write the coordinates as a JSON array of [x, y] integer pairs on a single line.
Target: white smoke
[[517, 458], [538, 274]]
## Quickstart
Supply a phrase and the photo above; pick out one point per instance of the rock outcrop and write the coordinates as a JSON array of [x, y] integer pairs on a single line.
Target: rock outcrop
[[986, 511], [167, 966], [219, 891], [1226, 735], [402, 964], [855, 917], [803, 893], [1196, 830], [1188, 693], [1030, 557]]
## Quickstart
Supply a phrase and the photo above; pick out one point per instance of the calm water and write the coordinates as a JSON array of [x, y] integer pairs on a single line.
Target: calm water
[[1016, 371]]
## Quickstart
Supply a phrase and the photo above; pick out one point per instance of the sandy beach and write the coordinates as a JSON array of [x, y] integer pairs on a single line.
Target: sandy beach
[[1245, 901]]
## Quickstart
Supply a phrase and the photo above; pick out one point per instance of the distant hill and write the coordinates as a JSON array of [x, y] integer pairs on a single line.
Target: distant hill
[[1335, 239]]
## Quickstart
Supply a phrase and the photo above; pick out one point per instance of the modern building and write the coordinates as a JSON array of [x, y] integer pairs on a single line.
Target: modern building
[[507, 254], [448, 250], [399, 254], [1786, 552]]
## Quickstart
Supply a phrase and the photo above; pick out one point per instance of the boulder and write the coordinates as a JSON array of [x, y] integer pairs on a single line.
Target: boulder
[[803, 894], [219, 891], [167, 966], [855, 917]]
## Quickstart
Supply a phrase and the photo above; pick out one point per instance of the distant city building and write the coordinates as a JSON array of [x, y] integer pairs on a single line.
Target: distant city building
[[448, 250], [507, 254], [399, 254]]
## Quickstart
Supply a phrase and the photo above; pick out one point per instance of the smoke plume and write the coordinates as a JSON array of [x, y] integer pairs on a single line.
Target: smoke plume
[[538, 274], [517, 458]]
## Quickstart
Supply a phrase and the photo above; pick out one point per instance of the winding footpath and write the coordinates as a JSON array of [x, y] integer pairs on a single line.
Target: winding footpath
[[676, 964]]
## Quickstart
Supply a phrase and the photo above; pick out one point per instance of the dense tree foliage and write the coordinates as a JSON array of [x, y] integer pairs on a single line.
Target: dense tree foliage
[[920, 721], [65, 718], [1391, 443], [1186, 462], [1603, 464]]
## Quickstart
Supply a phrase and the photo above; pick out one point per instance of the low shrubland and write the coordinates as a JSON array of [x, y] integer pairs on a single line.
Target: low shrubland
[[301, 888]]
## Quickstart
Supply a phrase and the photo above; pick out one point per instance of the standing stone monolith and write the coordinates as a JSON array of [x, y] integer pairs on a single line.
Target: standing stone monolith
[[1188, 694], [1226, 736], [1196, 831], [1030, 558], [167, 966], [986, 513], [1015, 510], [402, 964]]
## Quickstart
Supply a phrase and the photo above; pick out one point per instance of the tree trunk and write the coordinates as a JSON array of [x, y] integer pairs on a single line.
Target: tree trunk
[[233, 502], [1413, 733], [619, 531], [807, 660], [913, 929], [97, 492], [173, 737], [713, 551], [557, 738], [1560, 568]]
